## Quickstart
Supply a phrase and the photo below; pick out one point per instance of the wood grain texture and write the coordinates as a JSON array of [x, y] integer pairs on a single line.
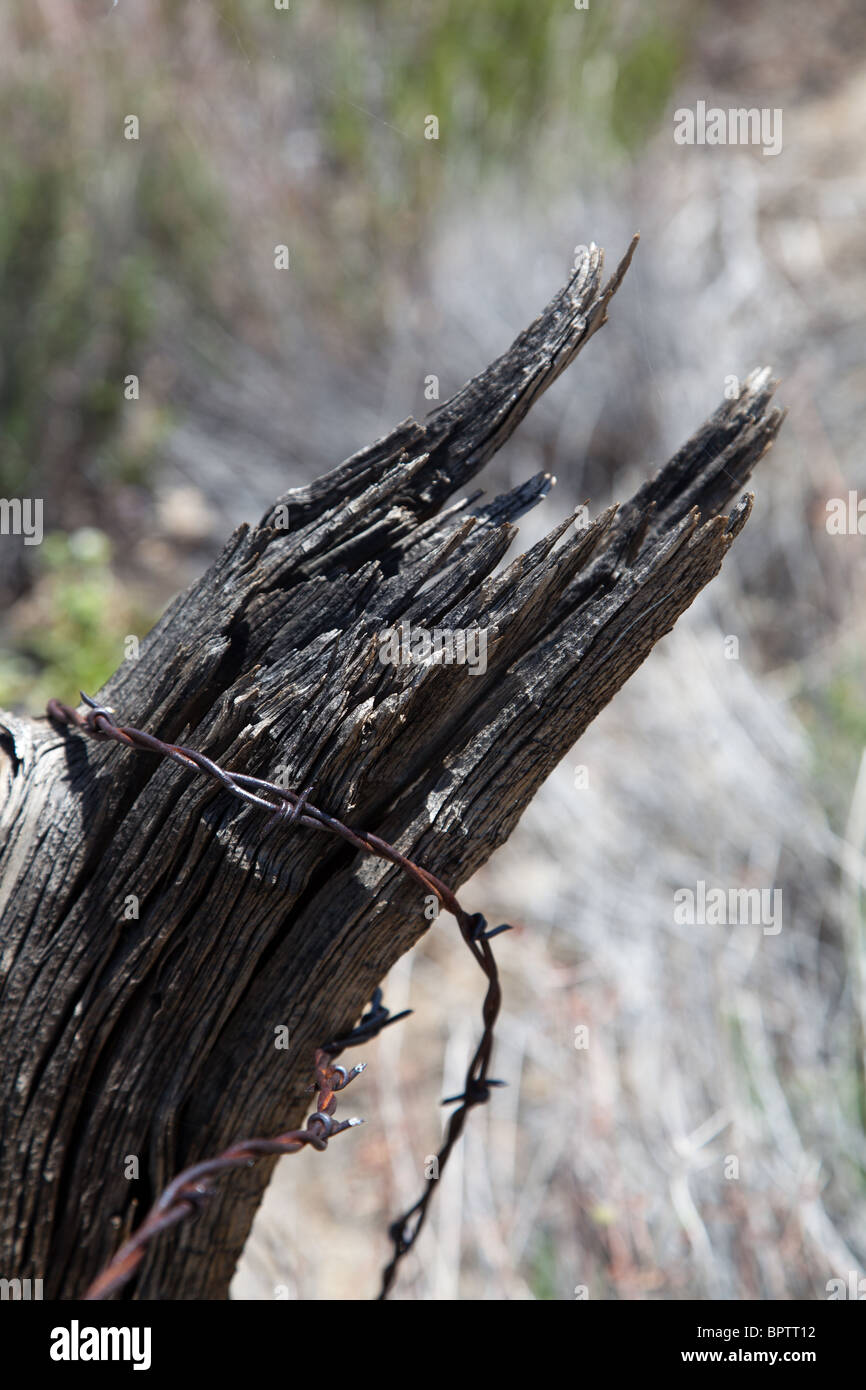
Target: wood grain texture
[[155, 1037]]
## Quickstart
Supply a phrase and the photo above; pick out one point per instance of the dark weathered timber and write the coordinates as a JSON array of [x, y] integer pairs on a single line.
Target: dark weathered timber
[[155, 1037]]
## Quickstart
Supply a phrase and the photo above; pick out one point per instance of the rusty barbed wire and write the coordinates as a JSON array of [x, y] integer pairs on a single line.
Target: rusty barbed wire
[[180, 1198], [186, 1192]]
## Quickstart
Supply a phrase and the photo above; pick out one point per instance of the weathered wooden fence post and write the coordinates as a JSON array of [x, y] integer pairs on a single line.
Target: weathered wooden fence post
[[153, 1035]]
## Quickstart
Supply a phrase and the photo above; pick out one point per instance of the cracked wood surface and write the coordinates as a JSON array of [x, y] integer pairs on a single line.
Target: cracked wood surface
[[155, 1037]]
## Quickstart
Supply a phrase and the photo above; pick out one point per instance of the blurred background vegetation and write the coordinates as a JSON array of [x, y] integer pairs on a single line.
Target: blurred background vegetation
[[154, 257], [308, 124]]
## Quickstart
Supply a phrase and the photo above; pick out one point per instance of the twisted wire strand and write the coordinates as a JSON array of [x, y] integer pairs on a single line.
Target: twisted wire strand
[[186, 1192]]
